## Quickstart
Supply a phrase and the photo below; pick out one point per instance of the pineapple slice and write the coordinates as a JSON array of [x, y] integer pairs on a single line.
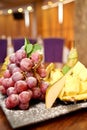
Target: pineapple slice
[[80, 70], [83, 74], [72, 85], [83, 87], [78, 67], [55, 75], [75, 88], [75, 98]]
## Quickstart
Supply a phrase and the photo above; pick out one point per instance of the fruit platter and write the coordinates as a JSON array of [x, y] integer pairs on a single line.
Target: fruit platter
[[31, 92]]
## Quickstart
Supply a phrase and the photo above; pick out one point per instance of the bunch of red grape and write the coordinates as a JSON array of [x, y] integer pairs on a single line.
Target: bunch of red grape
[[23, 79]]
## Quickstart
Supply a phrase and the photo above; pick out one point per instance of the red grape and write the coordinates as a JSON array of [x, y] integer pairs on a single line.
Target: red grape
[[1, 79], [17, 76], [41, 70], [5, 82], [30, 92], [41, 66], [42, 73], [16, 69], [26, 64], [29, 74], [7, 74], [24, 106], [20, 86], [36, 93], [24, 96], [11, 90], [43, 86], [12, 58], [10, 82], [20, 54], [12, 101], [35, 57], [22, 81], [2, 89], [22, 48], [42, 97], [31, 82], [11, 67]]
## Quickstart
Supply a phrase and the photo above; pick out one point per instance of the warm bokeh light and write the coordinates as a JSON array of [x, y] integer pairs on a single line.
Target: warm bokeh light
[[61, 0], [50, 3], [29, 8], [20, 10], [44, 7], [10, 11], [1, 12]]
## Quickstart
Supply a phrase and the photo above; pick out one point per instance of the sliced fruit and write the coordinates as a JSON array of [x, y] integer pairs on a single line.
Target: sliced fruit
[[73, 53], [55, 75], [4, 66], [49, 68], [54, 90], [72, 85], [72, 60], [78, 68], [83, 74], [75, 87], [65, 69], [83, 87]]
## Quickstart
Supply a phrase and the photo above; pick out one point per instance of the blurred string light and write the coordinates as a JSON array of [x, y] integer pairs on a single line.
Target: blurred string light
[[25, 9], [29, 8], [48, 4], [58, 4], [19, 9], [9, 11], [60, 12], [52, 3], [27, 18]]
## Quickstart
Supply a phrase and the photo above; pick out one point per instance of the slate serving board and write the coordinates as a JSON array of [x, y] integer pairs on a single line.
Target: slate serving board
[[37, 112]]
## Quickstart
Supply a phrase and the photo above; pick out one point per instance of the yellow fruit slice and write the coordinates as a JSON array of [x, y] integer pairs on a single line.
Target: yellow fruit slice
[[49, 68], [78, 68], [54, 90], [72, 85], [55, 76], [4, 66]]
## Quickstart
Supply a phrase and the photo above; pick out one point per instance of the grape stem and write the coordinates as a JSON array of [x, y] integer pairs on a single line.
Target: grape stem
[[35, 69], [38, 64]]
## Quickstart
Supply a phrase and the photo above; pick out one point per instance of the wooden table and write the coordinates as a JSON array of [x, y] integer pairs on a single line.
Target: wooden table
[[72, 121]]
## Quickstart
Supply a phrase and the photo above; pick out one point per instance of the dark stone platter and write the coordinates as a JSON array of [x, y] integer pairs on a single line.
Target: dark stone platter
[[37, 112]]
